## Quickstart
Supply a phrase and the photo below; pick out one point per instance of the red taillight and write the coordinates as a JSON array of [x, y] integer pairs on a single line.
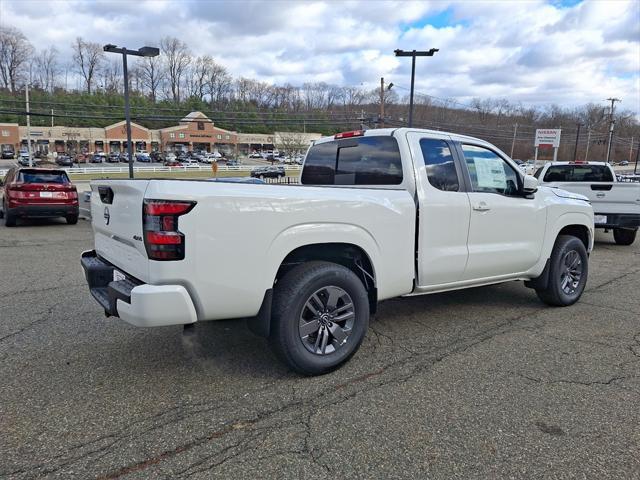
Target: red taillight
[[162, 238], [354, 133], [166, 207]]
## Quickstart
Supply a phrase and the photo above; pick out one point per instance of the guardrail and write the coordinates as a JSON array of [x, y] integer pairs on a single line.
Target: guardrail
[[161, 168]]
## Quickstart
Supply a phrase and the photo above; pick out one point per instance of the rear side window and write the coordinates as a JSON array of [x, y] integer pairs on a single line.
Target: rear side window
[[34, 176], [354, 161], [578, 173], [441, 171]]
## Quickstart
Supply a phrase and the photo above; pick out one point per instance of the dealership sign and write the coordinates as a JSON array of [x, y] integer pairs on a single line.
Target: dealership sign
[[548, 138]]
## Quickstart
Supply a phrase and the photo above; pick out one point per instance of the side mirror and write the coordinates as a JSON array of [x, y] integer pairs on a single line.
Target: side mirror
[[529, 185]]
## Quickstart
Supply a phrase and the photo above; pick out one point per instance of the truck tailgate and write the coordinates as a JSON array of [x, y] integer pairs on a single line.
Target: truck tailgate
[[607, 197], [116, 212]]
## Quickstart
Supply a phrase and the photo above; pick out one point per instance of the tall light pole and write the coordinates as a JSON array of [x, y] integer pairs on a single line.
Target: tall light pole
[[26, 94], [141, 52], [413, 54]]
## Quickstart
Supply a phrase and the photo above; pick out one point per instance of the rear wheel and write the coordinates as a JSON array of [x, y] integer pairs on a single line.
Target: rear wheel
[[624, 236], [72, 219], [9, 220], [320, 317], [568, 271]]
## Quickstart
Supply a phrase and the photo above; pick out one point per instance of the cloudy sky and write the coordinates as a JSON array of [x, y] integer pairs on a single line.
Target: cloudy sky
[[568, 52]]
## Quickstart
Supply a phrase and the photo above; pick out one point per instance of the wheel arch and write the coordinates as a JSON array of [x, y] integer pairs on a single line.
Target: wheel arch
[[350, 255]]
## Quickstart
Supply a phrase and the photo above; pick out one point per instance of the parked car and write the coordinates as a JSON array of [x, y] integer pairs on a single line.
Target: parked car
[[309, 263], [24, 159], [97, 158], [189, 160], [64, 160], [156, 157], [7, 154], [113, 157], [616, 204], [172, 163], [143, 157], [271, 171], [170, 156], [233, 163], [38, 192], [255, 155], [624, 163]]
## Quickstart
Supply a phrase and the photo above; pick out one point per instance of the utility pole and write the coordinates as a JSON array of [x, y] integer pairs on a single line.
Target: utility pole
[[631, 150], [513, 142], [362, 119], [381, 124], [611, 124], [586, 154], [575, 149], [26, 93], [52, 117], [413, 54]]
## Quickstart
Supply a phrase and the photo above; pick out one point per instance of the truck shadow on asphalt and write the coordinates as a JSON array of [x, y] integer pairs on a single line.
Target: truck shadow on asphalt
[[229, 348]]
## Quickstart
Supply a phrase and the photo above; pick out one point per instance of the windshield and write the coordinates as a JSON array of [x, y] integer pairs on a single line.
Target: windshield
[[578, 173]]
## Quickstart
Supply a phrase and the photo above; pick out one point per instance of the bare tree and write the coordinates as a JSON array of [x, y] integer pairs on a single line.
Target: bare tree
[[111, 75], [47, 68], [352, 97], [219, 84], [152, 75], [291, 143], [15, 51], [87, 58], [177, 59]]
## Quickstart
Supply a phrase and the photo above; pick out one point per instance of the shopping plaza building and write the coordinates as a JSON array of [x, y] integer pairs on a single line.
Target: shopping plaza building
[[194, 132]]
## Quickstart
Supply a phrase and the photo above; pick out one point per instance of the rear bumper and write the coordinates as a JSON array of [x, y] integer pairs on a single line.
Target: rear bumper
[[53, 210], [135, 302], [619, 220]]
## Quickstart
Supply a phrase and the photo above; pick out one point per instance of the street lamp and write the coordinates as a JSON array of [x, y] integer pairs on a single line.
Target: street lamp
[[413, 54], [141, 52]]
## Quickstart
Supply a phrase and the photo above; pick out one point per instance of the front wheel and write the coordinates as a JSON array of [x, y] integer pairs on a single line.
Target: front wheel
[[568, 271], [320, 316], [625, 236]]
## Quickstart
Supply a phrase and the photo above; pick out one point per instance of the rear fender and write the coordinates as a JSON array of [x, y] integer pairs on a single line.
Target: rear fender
[[317, 233]]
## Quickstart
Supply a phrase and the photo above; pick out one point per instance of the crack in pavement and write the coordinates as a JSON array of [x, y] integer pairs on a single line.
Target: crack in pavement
[[44, 317], [570, 381], [41, 290]]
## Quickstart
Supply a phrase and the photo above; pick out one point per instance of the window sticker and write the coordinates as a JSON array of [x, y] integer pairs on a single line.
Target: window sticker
[[490, 173]]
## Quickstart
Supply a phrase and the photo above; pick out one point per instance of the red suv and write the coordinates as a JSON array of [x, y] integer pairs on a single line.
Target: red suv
[[38, 192]]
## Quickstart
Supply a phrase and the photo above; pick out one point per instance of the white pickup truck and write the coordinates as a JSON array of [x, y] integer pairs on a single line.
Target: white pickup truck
[[616, 204], [379, 214]]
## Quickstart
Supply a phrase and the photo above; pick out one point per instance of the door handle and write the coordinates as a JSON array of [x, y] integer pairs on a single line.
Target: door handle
[[481, 207]]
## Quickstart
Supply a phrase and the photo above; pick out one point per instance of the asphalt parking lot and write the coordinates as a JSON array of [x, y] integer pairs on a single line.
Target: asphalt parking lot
[[483, 383]]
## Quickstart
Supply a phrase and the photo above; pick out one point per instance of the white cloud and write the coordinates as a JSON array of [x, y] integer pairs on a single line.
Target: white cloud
[[533, 51]]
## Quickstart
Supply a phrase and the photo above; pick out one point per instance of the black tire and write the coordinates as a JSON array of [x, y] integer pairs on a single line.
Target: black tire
[[292, 294], [72, 219], [625, 236], [9, 220], [557, 293]]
